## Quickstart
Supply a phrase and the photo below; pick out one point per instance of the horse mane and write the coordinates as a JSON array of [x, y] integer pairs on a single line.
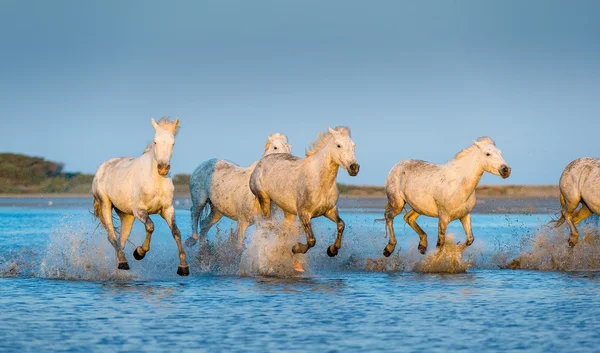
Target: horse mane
[[166, 123], [275, 136], [466, 151], [323, 138]]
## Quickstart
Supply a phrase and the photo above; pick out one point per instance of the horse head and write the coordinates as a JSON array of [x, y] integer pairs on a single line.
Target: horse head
[[277, 143], [492, 161], [342, 148], [164, 140]]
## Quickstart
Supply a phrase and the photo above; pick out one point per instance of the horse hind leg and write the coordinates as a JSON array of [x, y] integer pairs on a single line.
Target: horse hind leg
[[265, 203], [567, 212], [411, 218], [391, 211], [126, 225], [310, 238], [196, 211]]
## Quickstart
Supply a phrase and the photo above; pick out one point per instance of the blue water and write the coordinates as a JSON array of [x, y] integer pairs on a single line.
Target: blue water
[[59, 290]]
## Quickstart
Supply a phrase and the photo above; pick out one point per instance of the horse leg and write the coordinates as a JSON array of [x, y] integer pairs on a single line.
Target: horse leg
[[333, 215], [442, 225], [169, 216], [112, 238], [389, 214], [466, 223], [265, 204], [196, 211], [242, 225], [141, 251], [567, 212], [310, 238], [126, 225], [213, 217], [581, 214], [411, 218]]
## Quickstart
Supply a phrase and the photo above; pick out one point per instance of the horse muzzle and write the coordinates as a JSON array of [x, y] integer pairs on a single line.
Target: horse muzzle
[[163, 169], [353, 169], [504, 171]]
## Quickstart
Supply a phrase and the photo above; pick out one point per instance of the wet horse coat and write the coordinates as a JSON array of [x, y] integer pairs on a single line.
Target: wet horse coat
[[136, 188], [445, 191]]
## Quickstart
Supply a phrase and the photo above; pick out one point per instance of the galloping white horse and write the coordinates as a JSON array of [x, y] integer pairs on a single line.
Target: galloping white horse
[[224, 187], [307, 187], [445, 191], [579, 183], [137, 187]]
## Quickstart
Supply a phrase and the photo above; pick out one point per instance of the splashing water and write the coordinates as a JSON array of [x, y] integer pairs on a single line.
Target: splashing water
[[448, 259], [550, 251], [76, 252], [269, 252]]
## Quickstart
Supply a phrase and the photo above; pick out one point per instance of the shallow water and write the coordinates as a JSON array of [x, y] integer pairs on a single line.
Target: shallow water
[[60, 290]]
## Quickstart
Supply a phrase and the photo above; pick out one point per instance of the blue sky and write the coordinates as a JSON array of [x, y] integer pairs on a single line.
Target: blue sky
[[413, 79]]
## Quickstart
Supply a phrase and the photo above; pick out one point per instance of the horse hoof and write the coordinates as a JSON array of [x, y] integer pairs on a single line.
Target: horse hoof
[[572, 243], [137, 254], [422, 249], [191, 241], [123, 266], [332, 253], [469, 242], [386, 253], [183, 271]]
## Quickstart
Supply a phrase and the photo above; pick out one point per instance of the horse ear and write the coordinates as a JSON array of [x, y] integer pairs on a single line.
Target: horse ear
[[154, 124], [478, 144], [176, 124], [332, 131]]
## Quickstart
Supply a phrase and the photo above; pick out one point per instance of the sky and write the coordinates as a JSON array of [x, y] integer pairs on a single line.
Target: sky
[[80, 80]]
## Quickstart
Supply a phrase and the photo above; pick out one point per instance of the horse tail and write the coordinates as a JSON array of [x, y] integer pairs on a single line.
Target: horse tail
[[557, 223], [206, 209]]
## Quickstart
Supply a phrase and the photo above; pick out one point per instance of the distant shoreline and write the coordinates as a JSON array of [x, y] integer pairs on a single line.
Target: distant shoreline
[[487, 203], [356, 191]]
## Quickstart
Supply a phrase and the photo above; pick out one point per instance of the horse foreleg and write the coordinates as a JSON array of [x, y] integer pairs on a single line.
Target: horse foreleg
[[126, 225], [106, 219], [333, 215], [389, 214], [411, 218], [169, 216], [310, 238], [466, 223], [141, 251]]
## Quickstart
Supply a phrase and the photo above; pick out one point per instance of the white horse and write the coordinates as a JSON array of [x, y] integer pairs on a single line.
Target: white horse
[[224, 187], [137, 187], [579, 183], [307, 187], [445, 191]]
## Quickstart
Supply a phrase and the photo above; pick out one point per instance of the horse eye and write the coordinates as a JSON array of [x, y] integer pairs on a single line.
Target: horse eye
[[488, 154], [155, 142], [274, 148], [339, 146]]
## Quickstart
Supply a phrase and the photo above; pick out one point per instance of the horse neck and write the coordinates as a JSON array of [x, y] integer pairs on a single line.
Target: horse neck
[[148, 165], [471, 170], [324, 164]]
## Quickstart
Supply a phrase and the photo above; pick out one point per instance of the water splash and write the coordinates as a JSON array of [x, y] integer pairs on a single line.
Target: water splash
[[76, 252], [269, 251], [549, 251], [448, 259]]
